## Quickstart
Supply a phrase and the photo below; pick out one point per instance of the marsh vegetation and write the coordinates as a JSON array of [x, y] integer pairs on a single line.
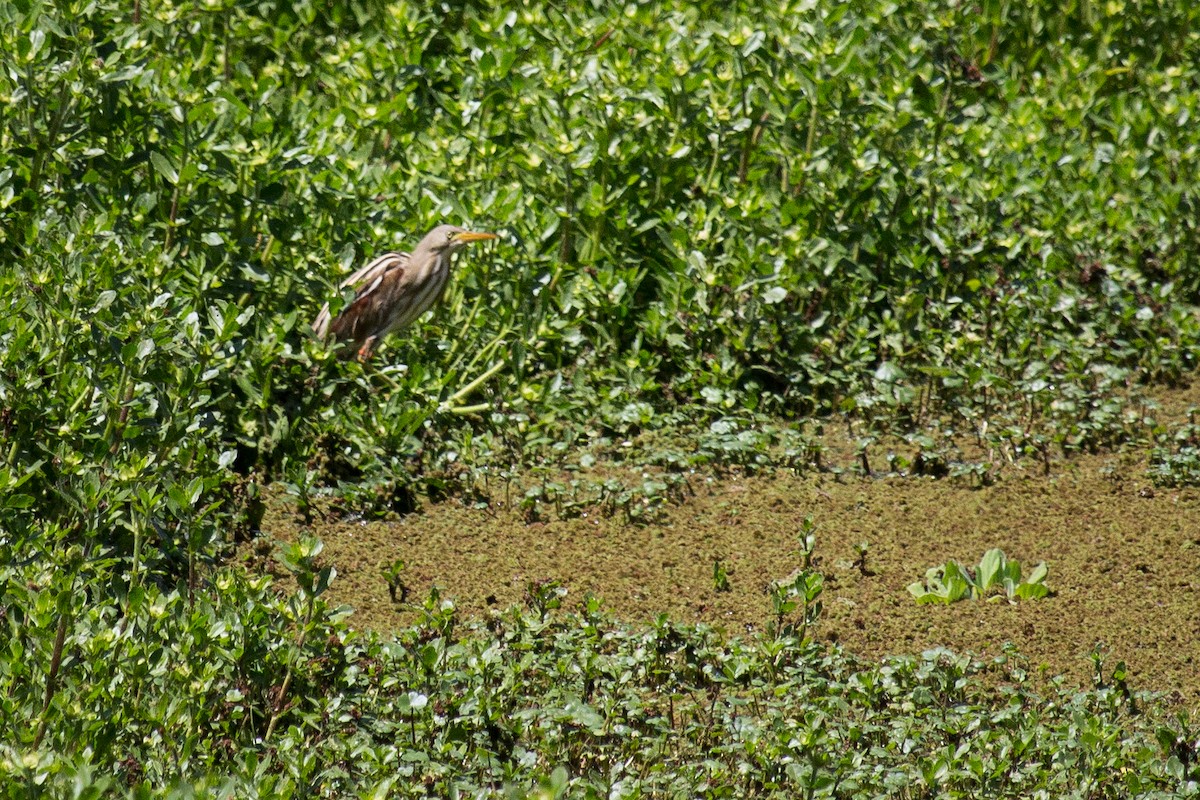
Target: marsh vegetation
[[927, 264]]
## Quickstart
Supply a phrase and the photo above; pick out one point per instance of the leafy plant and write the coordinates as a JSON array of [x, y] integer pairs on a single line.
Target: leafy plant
[[720, 576], [861, 550], [392, 572], [799, 593], [544, 596], [995, 577], [1176, 459], [806, 542], [1180, 742]]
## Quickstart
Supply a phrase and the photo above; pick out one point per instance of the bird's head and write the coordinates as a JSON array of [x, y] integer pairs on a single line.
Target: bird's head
[[453, 238]]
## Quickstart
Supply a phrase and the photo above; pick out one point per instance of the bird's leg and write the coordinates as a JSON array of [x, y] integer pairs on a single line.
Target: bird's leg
[[368, 348]]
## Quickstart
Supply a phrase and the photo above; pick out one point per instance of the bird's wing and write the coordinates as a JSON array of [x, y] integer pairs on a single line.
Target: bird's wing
[[366, 282], [367, 278]]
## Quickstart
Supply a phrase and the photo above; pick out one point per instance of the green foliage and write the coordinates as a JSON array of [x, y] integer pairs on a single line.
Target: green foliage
[[157, 687], [397, 588], [720, 576], [800, 593], [995, 577], [1176, 460], [1180, 468], [861, 550]]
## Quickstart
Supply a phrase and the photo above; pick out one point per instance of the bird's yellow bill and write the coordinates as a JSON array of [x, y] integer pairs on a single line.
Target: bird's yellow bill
[[470, 236]]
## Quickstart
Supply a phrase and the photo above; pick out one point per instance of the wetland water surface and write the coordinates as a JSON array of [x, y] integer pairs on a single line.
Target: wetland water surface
[[1124, 562]]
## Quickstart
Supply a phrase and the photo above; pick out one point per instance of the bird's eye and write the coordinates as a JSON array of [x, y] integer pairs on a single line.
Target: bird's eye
[[449, 236]]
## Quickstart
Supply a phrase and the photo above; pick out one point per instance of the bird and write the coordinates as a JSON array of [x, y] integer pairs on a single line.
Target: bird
[[393, 290]]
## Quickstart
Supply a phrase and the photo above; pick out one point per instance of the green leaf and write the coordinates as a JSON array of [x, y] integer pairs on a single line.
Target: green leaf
[[957, 582], [753, 43], [105, 300], [923, 95], [1031, 591], [164, 167], [584, 716], [1039, 573], [16, 501], [776, 294], [37, 37], [383, 789], [924, 596], [430, 655], [324, 578], [991, 567]]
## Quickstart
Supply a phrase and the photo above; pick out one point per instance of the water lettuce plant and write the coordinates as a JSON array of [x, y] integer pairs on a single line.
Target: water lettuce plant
[[995, 577]]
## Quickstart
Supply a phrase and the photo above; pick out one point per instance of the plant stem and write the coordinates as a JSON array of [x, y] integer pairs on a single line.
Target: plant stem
[[60, 637], [281, 698]]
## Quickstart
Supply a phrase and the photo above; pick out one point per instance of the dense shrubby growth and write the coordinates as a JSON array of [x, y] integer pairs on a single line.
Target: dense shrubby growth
[[899, 213]]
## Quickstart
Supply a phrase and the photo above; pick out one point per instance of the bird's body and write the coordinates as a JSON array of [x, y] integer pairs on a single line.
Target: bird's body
[[393, 290]]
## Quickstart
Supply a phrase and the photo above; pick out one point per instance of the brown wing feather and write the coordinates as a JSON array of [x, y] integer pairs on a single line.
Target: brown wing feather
[[366, 314], [370, 313]]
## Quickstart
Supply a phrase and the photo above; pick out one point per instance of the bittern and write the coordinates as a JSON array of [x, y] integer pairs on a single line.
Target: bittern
[[393, 290]]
